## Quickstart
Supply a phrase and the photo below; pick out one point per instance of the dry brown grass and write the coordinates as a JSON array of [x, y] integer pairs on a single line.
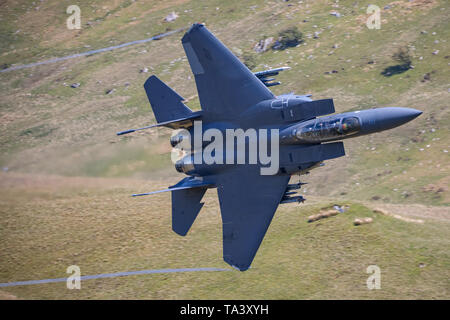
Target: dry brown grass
[[322, 215], [409, 213], [7, 296], [361, 221]]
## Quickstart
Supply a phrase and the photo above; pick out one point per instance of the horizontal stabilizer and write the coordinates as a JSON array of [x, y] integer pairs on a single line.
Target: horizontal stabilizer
[[186, 183], [185, 122]]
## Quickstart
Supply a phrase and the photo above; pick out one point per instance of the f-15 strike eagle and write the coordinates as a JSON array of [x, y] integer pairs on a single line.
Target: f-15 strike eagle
[[299, 133]]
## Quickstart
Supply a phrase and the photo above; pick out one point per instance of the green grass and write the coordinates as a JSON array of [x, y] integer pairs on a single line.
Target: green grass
[[88, 118], [51, 129], [101, 229]]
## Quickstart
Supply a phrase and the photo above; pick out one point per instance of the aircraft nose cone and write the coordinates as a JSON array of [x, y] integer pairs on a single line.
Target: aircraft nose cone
[[408, 114], [394, 117]]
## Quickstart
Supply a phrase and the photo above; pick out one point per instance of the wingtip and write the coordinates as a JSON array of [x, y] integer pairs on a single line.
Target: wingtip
[[125, 132], [195, 26], [233, 264], [150, 80], [242, 269]]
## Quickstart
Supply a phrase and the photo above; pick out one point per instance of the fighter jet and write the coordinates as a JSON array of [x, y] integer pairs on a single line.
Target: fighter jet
[[300, 134]]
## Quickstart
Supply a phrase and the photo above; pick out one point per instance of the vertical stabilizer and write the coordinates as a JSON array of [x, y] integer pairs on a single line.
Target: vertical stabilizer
[[167, 105], [185, 207]]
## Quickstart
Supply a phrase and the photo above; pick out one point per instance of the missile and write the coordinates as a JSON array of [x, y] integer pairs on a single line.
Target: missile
[[270, 72], [267, 79], [298, 199], [295, 186], [271, 84]]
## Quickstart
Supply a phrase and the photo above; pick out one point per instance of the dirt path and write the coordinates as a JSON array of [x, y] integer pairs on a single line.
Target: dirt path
[[414, 210], [91, 52]]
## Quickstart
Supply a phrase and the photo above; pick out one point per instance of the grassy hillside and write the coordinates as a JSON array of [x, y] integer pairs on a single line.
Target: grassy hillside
[[67, 177], [47, 126], [94, 224]]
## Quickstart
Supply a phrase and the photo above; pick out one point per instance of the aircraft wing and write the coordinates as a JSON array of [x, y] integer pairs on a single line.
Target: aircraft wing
[[248, 202], [225, 85]]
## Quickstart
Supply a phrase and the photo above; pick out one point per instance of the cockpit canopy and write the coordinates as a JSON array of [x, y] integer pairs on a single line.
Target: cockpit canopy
[[325, 130]]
